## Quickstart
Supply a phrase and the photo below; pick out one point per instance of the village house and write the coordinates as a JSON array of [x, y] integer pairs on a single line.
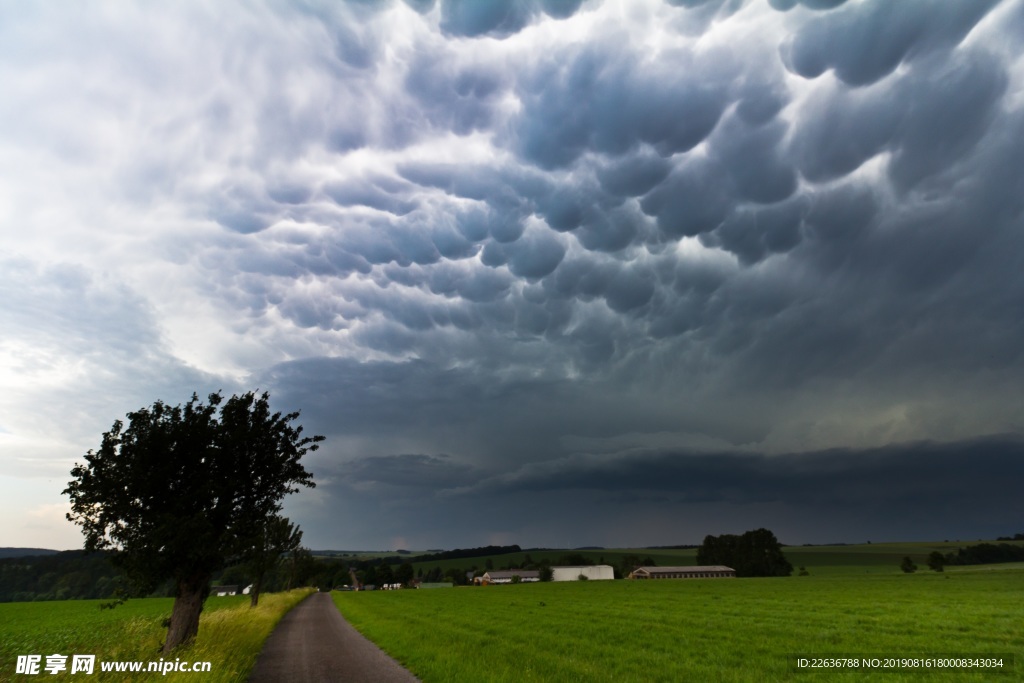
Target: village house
[[507, 576]]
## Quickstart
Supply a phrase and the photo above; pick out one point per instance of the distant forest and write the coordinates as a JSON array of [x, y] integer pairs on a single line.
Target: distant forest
[[25, 552], [77, 575]]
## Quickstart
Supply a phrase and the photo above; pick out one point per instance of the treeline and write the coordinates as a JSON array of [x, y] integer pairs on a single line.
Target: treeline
[[25, 552], [754, 553], [986, 553], [1015, 537], [68, 575], [79, 575], [457, 554]]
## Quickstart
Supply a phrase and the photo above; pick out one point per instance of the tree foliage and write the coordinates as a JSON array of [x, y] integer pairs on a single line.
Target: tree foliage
[[273, 537], [405, 573], [908, 565], [754, 553], [180, 491], [986, 553]]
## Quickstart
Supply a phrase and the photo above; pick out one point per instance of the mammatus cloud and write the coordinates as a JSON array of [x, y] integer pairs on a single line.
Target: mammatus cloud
[[750, 230]]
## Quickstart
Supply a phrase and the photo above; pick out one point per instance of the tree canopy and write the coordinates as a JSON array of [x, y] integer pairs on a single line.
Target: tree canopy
[[274, 536], [179, 491], [755, 553]]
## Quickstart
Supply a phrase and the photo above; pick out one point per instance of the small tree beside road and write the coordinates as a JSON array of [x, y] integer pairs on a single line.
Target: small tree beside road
[[178, 492], [274, 537]]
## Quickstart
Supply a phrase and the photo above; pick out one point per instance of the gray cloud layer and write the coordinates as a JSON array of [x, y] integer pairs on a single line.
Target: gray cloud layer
[[466, 238]]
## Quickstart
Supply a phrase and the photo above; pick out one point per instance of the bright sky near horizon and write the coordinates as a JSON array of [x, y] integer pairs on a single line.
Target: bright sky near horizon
[[547, 272]]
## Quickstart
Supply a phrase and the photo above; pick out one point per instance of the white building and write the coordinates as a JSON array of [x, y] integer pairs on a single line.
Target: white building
[[508, 576], [599, 572]]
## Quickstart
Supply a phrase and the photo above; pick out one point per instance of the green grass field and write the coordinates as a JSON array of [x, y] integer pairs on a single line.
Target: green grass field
[[698, 630], [230, 635], [856, 601]]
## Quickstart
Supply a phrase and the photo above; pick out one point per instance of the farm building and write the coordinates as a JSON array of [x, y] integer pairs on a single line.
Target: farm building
[[716, 571], [221, 591], [507, 576], [600, 572]]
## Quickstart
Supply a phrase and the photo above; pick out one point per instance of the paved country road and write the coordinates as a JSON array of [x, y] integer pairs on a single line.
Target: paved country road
[[314, 643]]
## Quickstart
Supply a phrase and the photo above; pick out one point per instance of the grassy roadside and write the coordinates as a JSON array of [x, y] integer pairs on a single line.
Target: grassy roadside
[[231, 635], [232, 638]]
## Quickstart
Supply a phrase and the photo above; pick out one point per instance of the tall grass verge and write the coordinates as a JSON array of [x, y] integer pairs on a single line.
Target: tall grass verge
[[231, 635], [232, 638]]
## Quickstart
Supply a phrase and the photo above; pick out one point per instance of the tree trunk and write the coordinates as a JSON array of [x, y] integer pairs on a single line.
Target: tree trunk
[[188, 603], [254, 592]]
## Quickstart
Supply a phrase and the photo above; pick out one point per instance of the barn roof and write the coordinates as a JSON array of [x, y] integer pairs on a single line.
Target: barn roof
[[686, 570], [508, 574], [581, 566]]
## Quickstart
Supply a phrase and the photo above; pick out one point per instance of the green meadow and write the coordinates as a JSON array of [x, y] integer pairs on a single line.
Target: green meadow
[[230, 635], [701, 630]]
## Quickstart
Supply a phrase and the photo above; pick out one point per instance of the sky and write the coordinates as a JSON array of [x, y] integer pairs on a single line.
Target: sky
[[548, 272]]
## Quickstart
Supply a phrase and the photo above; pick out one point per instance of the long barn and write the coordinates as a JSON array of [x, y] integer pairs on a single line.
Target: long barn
[[716, 571]]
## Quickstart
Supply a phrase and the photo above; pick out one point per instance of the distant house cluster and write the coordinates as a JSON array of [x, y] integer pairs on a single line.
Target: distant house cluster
[[600, 572], [507, 576], [225, 590], [716, 571], [604, 572]]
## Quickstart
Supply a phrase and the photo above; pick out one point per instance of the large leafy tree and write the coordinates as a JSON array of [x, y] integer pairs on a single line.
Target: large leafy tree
[[179, 491]]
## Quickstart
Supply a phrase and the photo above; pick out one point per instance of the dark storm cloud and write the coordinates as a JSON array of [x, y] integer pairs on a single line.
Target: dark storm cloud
[[910, 490], [613, 229], [777, 238], [610, 102], [495, 230], [895, 31], [499, 19], [356, 193], [634, 175], [753, 234], [786, 5], [458, 97], [928, 119], [534, 256], [982, 471], [424, 472]]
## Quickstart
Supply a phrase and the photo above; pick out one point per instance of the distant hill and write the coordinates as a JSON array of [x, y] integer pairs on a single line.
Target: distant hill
[[25, 552]]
